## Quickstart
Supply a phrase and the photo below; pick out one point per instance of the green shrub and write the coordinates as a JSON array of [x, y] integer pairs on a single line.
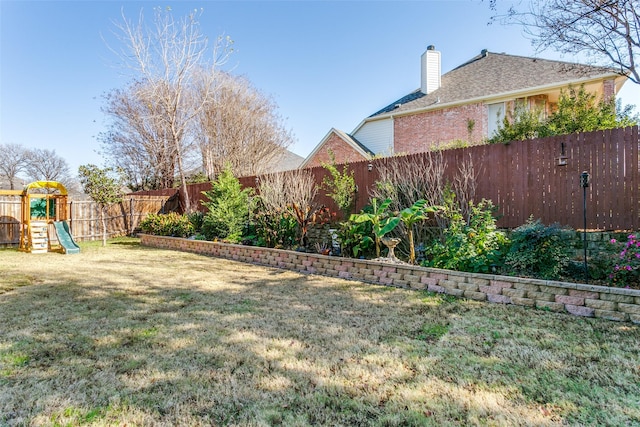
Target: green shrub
[[539, 251], [577, 111], [271, 228], [341, 186], [196, 219], [356, 239], [228, 208], [171, 224], [475, 246]]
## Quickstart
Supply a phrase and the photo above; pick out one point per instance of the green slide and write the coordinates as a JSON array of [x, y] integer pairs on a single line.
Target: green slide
[[65, 239]]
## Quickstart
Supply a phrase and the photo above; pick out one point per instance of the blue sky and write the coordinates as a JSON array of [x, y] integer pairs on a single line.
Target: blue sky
[[326, 63]]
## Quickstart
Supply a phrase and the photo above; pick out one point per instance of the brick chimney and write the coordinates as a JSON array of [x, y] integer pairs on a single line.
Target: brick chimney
[[430, 70]]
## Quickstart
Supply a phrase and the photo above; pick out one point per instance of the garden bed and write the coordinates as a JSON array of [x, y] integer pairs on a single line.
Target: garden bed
[[610, 303]]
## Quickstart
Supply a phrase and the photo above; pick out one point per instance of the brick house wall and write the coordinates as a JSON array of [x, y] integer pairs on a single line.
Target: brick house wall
[[608, 89], [418, 132], [343, 152]]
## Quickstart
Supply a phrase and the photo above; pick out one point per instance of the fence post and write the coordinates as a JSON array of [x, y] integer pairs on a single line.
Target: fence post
[[584, 181], [131, 228]]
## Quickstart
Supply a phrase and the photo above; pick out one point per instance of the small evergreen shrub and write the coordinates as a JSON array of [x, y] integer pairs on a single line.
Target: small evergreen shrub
[[228, 208], [196, 219], [538, 250], [341, 186], [171, 224]]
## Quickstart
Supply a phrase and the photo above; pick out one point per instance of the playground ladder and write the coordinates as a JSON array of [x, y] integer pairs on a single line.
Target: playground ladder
[[39, 237]]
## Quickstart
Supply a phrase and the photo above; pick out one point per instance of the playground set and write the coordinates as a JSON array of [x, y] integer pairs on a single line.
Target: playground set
[[44, 215]]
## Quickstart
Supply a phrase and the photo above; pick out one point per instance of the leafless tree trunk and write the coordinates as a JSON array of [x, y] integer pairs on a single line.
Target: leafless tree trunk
[[168, 58]]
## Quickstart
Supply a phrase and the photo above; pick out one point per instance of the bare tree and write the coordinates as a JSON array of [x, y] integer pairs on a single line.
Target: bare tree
[[166, 58], [465, 183], [608, 31], [405, 180], [295, 191], [46, 165], [240, 127], [13, 158], [137, 142]]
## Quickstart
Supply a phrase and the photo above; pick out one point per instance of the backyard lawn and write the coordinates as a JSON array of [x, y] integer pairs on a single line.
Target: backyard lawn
[[129, 335]]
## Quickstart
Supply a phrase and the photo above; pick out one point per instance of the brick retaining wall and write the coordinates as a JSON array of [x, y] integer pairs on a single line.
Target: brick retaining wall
[[573, 298]]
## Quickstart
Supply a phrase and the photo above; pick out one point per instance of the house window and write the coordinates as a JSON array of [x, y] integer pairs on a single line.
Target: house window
[[540, 104], [496, 116]]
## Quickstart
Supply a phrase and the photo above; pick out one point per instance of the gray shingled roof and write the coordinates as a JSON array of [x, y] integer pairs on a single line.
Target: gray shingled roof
[[287, 160], [490, 74]]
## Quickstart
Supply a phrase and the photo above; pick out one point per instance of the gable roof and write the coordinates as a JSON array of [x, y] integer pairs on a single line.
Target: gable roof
[[349, 139], [287, 160], [490, 75]]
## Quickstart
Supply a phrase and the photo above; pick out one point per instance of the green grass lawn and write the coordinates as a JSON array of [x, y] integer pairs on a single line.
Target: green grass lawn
[[127, 335]]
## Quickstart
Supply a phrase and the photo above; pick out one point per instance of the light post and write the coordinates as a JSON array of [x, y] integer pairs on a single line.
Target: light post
[[584, 182]]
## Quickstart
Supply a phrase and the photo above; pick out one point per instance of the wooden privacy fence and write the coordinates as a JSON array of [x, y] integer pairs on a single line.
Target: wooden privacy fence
[[84, 217], [539, 178]]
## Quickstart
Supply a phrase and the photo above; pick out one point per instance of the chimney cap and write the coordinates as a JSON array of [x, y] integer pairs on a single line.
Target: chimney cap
[[431, 47]]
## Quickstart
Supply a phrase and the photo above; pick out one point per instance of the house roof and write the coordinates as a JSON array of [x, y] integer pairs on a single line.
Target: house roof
[[287, 160], [491, 74], [349, 139]]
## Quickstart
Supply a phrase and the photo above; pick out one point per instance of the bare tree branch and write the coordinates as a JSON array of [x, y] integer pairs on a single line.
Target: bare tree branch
[[240, 127], [294, 191], [13, 159], [167, 58], [607, 31]]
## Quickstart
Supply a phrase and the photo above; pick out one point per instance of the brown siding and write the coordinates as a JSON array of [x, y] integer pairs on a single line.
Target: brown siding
[[523, 178]]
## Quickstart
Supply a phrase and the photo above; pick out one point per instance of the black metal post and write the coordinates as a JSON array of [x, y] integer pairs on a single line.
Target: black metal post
[[584, 181]]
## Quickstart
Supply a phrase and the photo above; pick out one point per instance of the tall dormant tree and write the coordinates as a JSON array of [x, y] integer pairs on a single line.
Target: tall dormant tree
[[13, 158], [46, 165], [137, 142], [608, 31], [165, 58], [240, 127]]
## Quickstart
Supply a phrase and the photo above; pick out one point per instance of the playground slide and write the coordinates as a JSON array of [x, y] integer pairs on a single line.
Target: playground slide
[[65, 239]]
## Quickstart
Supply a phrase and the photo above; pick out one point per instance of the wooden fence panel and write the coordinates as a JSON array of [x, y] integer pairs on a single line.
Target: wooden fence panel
[[527, 178], [84, 217], [9, 220]]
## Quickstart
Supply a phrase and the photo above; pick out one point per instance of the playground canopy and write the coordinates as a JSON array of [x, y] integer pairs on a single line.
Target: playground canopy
[[46, 185]]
